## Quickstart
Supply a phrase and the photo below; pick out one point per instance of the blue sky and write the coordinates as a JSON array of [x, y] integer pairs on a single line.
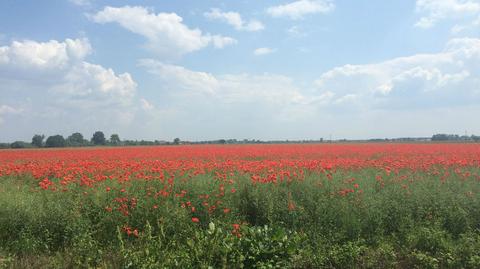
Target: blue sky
[[302, 69]]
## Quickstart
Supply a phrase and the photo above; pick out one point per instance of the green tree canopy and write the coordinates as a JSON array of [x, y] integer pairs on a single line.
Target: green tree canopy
[[37, 140], [55, 141], [115, 139], [76, 139], [19, 145], [99, 138]]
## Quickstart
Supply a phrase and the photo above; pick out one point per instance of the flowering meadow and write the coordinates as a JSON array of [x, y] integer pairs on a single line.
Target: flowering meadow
[[242, 206]]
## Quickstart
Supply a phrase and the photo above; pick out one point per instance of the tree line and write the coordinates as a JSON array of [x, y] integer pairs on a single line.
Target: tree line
[[78, 140], [455, 137], [99, 139]]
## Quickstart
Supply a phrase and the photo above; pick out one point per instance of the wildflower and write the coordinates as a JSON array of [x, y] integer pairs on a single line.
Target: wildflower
[[195, 220], [236, 230]]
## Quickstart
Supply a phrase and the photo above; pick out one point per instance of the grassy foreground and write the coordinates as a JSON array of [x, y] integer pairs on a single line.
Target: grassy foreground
[[352, 219]]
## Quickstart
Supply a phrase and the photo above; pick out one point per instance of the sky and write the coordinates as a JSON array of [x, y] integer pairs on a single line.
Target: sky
[[245, 69]]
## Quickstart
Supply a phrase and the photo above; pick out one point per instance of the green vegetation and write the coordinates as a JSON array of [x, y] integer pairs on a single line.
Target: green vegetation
[[99, 138], [55, 141], [37, 140], [409, 220]]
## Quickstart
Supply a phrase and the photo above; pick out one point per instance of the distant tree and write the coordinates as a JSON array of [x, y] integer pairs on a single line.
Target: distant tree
[[476, 138], [20, 145], [99, 138], [55, 141], [222, 141], [448, 137], [176, 141], [76, 139], [442, 137], [37, 140], [115, 139], [4, 145]]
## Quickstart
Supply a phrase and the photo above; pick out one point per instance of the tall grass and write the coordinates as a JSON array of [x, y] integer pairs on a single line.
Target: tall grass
[[355, 219]]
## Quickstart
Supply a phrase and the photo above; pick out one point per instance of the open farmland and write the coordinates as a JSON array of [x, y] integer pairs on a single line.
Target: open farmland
[[233, 206]]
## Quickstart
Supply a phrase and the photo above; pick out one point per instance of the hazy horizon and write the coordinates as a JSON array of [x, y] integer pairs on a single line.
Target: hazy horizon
[[268, 70]]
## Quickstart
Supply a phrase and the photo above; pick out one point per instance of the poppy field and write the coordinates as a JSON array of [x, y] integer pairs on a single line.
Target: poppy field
[[242, 206]]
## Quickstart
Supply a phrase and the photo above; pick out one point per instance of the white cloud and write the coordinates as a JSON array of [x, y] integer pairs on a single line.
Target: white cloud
[[51, 87], [166, 33], [180, 78], [448, 78], [57, 88], [295, 31], [263, 51], [46, 55], [220, 42], [352, 101], [81, 2], [5, 110], [298, 9], [234, 19], [237, 88], [201, 105], [146, 105], [435, 11]]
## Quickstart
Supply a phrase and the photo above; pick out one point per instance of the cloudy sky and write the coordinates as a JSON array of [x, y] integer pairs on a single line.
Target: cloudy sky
[[302, 69]]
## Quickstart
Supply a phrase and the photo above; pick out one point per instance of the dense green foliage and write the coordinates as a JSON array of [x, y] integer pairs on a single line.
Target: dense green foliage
[[454, 137], [55, 141], [37, 140], [98, 138], [422, 222], [115, 140], [77, 140], [20, 145]]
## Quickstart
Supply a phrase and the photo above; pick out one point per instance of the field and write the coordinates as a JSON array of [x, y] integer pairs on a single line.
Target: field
[[242, 206]]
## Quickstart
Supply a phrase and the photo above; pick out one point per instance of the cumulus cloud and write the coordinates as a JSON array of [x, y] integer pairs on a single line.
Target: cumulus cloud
[[235, 20], [220, 42], [434, 11], [166, 33], [229, 88], [56, 86], [58, 89], [373, 99], [180, 78], [6, 110], [448, 78], [237, 102], [47, 55], [263, 51], [298, 9]]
